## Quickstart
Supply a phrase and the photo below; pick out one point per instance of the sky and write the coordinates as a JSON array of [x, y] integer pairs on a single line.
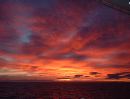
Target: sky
[[63, 40]]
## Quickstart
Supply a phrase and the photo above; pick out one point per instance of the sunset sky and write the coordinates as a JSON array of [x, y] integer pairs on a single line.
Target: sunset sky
[[63, 40]]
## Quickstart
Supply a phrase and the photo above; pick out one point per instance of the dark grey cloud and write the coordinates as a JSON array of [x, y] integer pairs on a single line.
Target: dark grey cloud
[[64, 78], [70, 55], [77, 76], [94, 73], [114, 65], [119, 75]]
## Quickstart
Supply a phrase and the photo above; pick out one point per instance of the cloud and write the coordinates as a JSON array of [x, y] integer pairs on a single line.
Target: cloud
[[77, 76], [94, 73], [54, 38], [119, 75], [63, 78], [86, 76], [70, 55], [12, 72]]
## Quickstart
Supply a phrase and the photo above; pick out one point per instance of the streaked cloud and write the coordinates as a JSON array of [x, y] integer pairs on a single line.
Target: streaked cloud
[[59, 39]]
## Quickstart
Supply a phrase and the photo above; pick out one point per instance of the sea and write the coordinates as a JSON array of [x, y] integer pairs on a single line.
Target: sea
[[64, 90]]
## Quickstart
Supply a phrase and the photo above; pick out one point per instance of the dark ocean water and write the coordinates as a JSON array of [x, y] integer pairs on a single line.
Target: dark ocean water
[[64, 90]]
